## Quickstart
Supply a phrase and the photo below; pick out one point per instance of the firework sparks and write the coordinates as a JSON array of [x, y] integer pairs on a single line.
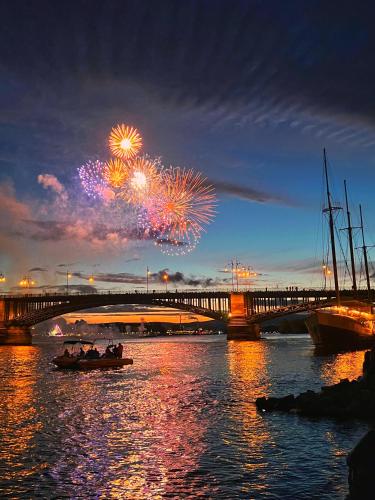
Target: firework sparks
[[124, 141], [170, 207], [116, 173], [173, 247], [91, 177], [144, 179], [186, 205]]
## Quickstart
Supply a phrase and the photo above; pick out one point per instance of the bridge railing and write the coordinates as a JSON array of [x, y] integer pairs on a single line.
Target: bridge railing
[[112, 292], [75, 293]]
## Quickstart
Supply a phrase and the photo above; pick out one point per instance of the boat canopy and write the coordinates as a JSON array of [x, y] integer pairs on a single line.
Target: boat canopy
[[73, 342]]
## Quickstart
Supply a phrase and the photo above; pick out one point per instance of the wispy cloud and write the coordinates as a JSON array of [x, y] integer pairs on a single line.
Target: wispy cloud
[[250, 194], [176, 277]]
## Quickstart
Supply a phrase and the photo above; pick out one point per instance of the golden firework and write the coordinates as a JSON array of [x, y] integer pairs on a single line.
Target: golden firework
[[124, 141], [115, 173], [185, 205], [144, 179]]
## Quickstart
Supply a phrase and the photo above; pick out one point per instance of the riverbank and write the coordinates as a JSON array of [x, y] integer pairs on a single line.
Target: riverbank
[[346, 399]]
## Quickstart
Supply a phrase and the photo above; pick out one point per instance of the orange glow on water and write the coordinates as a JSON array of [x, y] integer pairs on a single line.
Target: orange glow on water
[[247, 363], [20, 425], [346, 365]]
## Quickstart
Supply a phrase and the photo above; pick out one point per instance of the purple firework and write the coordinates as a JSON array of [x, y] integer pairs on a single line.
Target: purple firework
[[91, 177]]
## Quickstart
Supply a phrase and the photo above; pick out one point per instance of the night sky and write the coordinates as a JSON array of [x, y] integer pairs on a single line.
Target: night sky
[[247, 92]]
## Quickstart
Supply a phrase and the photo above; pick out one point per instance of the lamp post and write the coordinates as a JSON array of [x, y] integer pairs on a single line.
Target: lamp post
[[238, 271], [68, 276], [327, 273], [165, 279], [234, 271], [147, 278], [27, 282], [2, 278]]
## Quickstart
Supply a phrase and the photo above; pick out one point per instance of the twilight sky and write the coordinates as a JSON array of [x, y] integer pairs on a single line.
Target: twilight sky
[[247, 92]]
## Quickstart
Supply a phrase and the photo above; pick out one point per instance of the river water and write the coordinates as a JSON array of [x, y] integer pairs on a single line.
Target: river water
[[179, 423]]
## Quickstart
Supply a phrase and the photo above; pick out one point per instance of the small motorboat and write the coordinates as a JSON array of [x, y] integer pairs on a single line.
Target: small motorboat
[[71, 359]]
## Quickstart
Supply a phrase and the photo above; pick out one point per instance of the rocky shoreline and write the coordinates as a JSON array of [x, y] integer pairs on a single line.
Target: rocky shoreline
[[347, 399]]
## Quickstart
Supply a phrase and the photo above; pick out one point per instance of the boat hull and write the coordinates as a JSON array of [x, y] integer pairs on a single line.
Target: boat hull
[[90, 364], [339, 332]]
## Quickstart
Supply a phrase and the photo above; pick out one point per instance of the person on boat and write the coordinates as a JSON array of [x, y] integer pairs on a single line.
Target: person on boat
[[66, 354], [108, 353], [115, 351], [90, 354], [120, 348], [95, 354], [81, 353]]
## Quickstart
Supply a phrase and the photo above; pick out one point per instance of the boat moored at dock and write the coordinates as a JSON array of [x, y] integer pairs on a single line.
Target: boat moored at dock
[[347, 325]]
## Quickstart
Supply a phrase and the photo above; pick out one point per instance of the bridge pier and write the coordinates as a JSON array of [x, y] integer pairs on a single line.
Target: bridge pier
[[246, 331], [15, 335], [239, 327]]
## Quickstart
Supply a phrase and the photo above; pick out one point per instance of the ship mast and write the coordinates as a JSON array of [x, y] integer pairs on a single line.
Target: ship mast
[[330, 210], [364, 248], [350, 237]]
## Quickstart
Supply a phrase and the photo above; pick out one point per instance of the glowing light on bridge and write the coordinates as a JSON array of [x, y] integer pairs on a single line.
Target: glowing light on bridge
[[26, 282], [2, 278]]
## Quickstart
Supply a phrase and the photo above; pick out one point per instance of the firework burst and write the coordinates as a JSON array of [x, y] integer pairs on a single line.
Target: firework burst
[[144, 180], [124, 141], [91, 177], [144, 201], [185, 206], [116, 173], [174, 247]]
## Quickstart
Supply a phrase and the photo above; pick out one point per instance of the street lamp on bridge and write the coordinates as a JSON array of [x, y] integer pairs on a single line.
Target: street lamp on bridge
[[327, 272], [148, 273], [165, 279], [238, 271], [68, 276], [27, 282]]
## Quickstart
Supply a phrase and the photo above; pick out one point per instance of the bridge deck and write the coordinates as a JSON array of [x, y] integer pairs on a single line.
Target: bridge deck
[[27, 310]]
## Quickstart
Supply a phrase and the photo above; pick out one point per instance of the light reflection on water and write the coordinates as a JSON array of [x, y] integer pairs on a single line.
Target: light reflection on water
[[180, 423]]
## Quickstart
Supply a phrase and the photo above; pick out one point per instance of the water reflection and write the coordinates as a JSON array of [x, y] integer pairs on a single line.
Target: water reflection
[[248, 367], [141, 432], [180, 423], [18, 415], [340, 366]]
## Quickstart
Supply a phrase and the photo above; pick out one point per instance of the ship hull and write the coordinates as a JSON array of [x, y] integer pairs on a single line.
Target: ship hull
[[339, 332]]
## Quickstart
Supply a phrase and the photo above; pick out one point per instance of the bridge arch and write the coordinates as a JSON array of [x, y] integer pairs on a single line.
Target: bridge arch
[[34, 317]]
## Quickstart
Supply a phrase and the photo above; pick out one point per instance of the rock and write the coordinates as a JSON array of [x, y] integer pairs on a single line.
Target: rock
[[266, 404], [347, 399], [286, 403], [361, 461]]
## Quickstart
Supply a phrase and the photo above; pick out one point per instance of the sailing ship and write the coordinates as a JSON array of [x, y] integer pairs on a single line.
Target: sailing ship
[[348, 324]]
